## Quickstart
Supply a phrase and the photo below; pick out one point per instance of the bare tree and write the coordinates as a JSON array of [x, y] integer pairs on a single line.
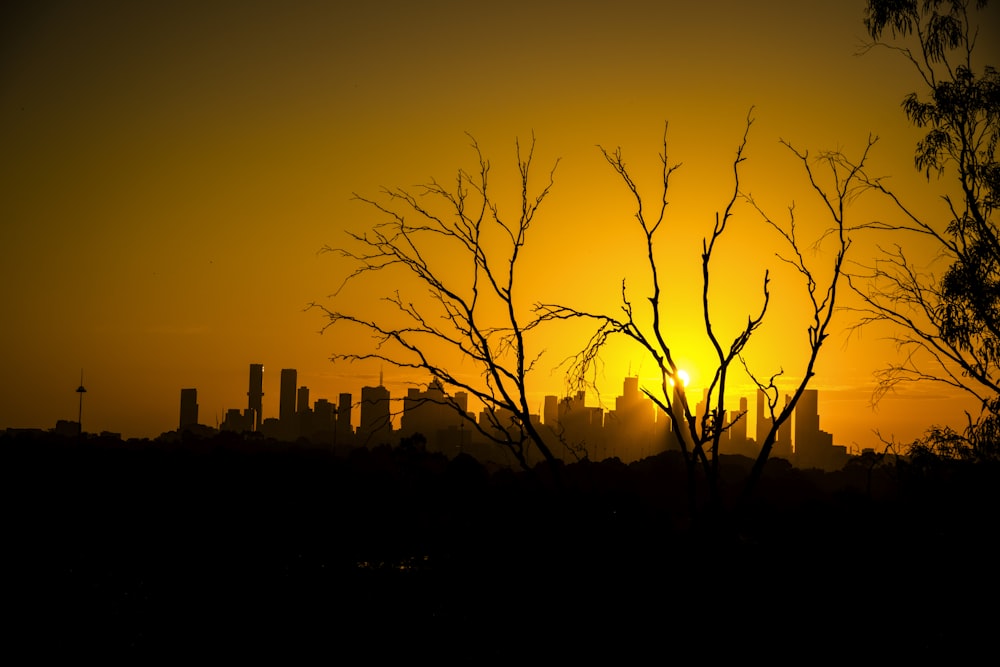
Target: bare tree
[[455, 246], [699, 441], [945, 322]]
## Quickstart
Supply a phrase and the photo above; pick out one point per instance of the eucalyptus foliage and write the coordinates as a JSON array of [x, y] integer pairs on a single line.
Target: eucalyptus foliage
[[954, 317]]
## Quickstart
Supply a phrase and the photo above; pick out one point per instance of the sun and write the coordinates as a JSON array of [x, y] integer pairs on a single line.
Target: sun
[[683, 376]]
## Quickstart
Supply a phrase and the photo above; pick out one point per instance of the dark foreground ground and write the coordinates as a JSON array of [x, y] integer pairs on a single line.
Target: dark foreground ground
[[221, 548]]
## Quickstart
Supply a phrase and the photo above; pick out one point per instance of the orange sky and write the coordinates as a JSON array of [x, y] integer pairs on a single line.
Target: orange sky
[[169, 171]]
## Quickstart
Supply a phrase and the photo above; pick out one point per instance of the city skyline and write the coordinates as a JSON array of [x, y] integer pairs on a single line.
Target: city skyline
[[631, 429], [166, 195], [214, 404]]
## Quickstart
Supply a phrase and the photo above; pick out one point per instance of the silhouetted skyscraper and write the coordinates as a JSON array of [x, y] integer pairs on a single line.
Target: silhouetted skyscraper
[[806, 421], [376, 419], [631, 431], [302, 402], [679, 428], [256, 393], [189, 408], [550, 413], [286, 400], [303, 415], [581, 424], [322, 419], [738, 430], [238, 422], [700, 410], [763, 415], [343, 430], [783, 447]]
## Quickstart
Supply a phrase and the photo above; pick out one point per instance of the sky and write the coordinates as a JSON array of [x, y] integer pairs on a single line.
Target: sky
[[171, 171]]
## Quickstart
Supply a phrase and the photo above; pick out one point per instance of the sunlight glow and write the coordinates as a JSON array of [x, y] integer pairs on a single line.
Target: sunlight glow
[[683, 376]]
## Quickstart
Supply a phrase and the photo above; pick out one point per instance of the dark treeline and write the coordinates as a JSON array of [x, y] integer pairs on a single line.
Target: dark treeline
[[147, 548]]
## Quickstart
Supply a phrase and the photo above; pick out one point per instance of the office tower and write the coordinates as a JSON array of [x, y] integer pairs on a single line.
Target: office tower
[[461, 399], [324, 417], [630, 388], [783, 447], [343, 430], [376, 420], [288, 423], [189, 408], [738, 430], [813, 447], [256, 393], [679, 428], [302, 401], [579, 423], [238, 422], [806, 421], [763, 417], [550, 412], [633, 426], [303, 415], [286, 399], [702, 409]]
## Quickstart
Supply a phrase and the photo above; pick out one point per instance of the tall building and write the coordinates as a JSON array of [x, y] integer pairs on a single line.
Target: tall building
[[763, 416], [632, 427], [256, 393], [323, 419], [550, 413], [435, 414], [738, 429], [302, 400], [343, 431], [303, 414], [679, 427], [783, 447], [286, 399], [699, 411], [189, 408], [814, 447], [376, 419], [582, 427], [287, 418], [806, 422], [238, 422]]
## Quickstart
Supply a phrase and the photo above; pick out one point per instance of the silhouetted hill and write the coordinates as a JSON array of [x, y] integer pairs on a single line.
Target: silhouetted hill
[[148, 548]]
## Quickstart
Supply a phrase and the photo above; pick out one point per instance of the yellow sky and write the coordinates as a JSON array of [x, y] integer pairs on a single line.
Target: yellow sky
[[169, 170]]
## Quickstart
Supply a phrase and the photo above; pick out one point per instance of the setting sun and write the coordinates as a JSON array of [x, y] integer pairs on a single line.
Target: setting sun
[[683, 376]]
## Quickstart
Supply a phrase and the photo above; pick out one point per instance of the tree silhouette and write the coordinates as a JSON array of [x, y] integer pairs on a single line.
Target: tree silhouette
[[947, 327], [699, 440], [460, 249], [472, 313]]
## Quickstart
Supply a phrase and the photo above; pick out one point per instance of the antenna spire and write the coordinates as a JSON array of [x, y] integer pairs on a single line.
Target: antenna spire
[[80, 390]]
